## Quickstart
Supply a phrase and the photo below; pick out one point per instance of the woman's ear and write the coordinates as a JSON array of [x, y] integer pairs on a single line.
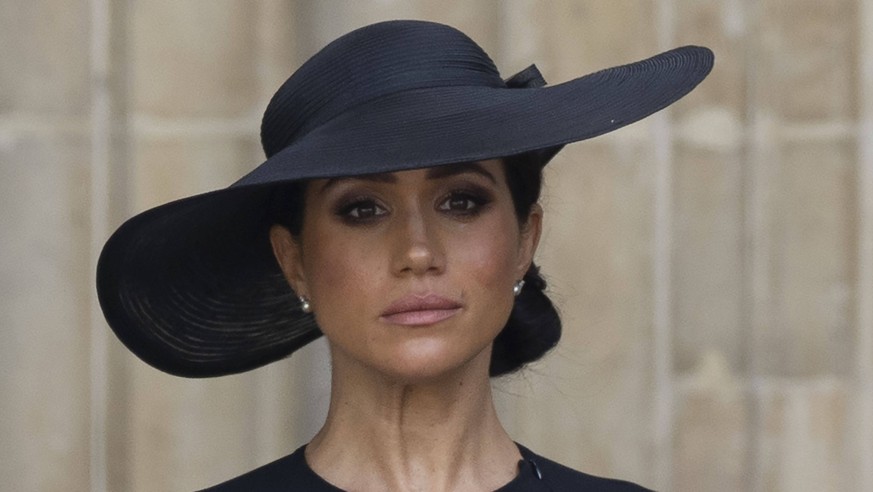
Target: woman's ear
[[287, 252], [529, 238]]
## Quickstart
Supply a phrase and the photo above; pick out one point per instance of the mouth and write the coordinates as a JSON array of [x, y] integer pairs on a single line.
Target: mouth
[[417, 310]]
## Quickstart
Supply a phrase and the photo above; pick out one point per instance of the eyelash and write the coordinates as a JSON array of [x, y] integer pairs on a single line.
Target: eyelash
[[347, 209], [474, 201]]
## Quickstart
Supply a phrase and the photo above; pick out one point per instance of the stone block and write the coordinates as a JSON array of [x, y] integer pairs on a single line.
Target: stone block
[[707, 257], [186, 434], [321, 22], [277, 46], [194, 58], [805, 59], [167, 168], [582, 37], [47, 43], [45, 289], [45, 57], [598, 232], [712, 428], [723, 26], [807, 326], [803, 442]]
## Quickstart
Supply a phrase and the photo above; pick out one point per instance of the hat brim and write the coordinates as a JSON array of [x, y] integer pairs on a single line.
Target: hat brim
[[444, 125], [192, 287]]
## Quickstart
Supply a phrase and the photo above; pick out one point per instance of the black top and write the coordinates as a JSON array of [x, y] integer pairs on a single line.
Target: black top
[[292, 473]]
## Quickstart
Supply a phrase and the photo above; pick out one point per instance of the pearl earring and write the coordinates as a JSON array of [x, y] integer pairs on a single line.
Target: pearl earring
[[516, 289], [304, 305]]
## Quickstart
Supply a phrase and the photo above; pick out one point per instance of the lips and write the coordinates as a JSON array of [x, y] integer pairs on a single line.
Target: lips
[[417, 310]]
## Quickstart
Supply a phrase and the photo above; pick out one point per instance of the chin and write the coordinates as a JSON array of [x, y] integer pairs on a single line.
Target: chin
[[427, 363]]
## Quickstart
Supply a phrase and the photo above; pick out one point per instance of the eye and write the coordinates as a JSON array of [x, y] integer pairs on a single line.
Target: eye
[[361, 210], [462, 203]]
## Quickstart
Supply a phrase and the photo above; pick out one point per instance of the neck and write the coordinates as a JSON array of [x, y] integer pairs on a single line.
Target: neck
[[440, 433]]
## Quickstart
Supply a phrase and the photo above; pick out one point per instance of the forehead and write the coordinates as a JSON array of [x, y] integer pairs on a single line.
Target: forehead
[[491, 169]]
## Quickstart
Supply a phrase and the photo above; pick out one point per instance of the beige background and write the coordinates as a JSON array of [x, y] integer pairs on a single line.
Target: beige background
[[714, 264]]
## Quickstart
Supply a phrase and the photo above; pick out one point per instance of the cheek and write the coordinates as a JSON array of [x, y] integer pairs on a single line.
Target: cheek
[[488, 255], [336, 268], [338, 273]]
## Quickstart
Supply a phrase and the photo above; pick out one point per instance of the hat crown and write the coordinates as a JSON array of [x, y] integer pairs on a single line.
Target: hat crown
[[368, 63]]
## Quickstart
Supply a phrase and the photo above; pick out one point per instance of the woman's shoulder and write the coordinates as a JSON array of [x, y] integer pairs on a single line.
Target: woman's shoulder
[[288, 473], [560, 477]]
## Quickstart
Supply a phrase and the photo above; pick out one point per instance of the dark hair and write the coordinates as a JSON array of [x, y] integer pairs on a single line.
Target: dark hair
[[534, 326]]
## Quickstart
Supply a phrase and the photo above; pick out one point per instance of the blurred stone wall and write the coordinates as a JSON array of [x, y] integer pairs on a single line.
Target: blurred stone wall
[[714, 264]]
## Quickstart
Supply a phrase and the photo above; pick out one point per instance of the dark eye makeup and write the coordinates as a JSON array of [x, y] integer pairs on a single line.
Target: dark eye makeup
[[462, 201], [360, 209], [465, 202]]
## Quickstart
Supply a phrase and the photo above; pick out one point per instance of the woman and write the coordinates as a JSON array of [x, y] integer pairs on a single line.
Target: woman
[[396, 214]]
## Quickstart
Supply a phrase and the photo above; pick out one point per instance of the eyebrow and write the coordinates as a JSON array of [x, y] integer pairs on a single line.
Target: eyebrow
[[455, 169], [438, 172]]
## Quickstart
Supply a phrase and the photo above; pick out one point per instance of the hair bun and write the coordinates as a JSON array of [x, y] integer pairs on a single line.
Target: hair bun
[[533, 328]]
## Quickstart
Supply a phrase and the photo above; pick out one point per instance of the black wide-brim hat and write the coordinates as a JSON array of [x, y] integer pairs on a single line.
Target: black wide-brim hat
[[192, 286]]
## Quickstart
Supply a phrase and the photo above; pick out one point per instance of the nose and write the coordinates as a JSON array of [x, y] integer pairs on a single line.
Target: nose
[[418, 250]]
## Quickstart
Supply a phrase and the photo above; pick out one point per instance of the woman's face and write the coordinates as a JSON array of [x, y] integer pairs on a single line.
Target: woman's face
[[410, 273]]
